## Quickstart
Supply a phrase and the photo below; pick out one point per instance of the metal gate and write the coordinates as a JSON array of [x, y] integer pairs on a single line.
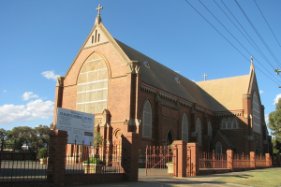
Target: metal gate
[[160, 160], [21, 167]]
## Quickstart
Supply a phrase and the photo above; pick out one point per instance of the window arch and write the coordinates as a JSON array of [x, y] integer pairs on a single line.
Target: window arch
[[229, 123], [147, 120], [184, 128], [199, 131], [218, 148], [92, 85], [210, 129], [223, 123], [234, 123]]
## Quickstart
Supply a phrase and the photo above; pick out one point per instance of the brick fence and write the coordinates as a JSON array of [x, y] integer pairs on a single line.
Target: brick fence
[[57, 163], [191, 162]]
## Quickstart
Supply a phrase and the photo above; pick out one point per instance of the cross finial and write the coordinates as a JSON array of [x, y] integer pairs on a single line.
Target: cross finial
[[252, 59], [205, 75], [99, 8]]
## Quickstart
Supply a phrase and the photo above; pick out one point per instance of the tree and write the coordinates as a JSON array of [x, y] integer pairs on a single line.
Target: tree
[[97, 138], [3, 134], [3, 137], [22, 135], [42, 133], [275, 126]]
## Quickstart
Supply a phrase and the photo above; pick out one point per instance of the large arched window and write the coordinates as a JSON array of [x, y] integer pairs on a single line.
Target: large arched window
[[218, 148], [184, 128], [147, 120], [199, 131], [256, 114], [92, 85], [210, 129]]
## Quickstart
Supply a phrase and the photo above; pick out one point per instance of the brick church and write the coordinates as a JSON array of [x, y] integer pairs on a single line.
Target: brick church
[[128, 91]]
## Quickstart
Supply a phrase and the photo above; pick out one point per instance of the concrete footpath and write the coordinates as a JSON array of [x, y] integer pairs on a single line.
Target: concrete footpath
[[170, 182]]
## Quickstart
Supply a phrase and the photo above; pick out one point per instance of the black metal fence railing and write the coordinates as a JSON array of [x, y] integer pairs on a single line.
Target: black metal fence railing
[[20, 166]]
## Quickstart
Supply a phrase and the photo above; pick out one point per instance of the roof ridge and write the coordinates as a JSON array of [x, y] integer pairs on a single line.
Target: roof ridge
[[223, 78]]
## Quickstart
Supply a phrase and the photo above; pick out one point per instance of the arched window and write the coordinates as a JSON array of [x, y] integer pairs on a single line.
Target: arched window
[[184, 128], [92, 85], [147, 120], [170, 138], [218, 148], [223, 123], [256, 114], [210, 129], [234, 123], [199, 131], [229, 123]]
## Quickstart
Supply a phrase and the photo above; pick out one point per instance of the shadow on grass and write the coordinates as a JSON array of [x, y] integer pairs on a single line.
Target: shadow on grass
[[173, 183], [244, 176]]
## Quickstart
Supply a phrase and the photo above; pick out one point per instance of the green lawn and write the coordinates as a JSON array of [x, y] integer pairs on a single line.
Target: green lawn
[[261, 177]]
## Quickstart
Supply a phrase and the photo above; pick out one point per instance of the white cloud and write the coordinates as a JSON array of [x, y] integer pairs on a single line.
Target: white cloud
[[33, 110], [277, 97], [26, 96], [50, 75], [261, 91]]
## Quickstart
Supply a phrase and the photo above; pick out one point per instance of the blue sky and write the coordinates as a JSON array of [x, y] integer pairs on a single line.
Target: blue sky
[[40, 39]]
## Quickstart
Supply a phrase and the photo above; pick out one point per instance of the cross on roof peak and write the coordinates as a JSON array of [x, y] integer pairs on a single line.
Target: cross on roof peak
[[99, 8]]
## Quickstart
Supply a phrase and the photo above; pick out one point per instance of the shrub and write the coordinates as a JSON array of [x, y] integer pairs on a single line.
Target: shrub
[[42, 153], [93, 160]]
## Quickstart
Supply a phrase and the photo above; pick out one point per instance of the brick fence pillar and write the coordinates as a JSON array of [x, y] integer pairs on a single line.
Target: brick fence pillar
[[268, 161], [130, 145], [181, 158], [57, 154], [229, 159], [194, 158], [252, 159]]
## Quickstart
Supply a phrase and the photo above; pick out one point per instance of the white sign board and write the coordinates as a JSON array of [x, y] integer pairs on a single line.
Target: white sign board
[[78, 125]]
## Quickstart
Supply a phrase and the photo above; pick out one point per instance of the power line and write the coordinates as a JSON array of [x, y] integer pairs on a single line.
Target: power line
[[256, 31], [267, 23], [253, 43], [225, 28], [236, 26], [224, 37], [268, 74], [233, 23], [235, 38], [228, 41]]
